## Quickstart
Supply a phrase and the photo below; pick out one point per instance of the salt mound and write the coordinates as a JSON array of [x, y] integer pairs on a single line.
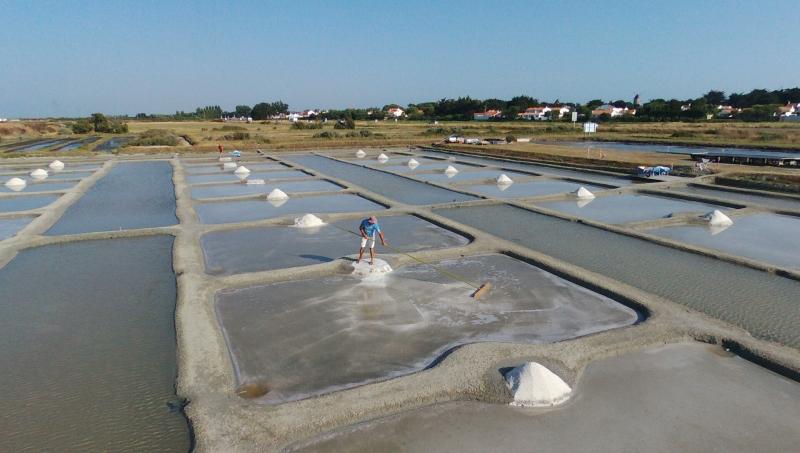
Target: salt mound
[[308, 221], [533, 385], [56, 165], [365, 270], [277, 194], [503, 179], [583, 193], [242, 170], [581, 202], [450, 170], [254, 181], [360, 153], [39, 173], [383, 158], [278, 202], [229, 165], [500, 187], [412, 163], [16, 184], [224, 159], [717, 219]]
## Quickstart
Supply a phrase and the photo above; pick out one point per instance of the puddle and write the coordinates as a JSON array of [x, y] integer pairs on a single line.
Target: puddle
[[199, 169], [87, 340], [391, 186], [765, 304], [243, 211], [770, 238], [40, 186], [10, 227], [23, 203], [231, 177], [260, 249], [310, 337], [229, 190], [530, 188], [131, 195], [629, 208], [470, 175], [744, 198], [677, 397]]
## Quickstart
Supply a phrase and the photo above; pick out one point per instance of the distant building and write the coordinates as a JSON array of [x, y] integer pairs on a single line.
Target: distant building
[[396, 112], [613, 112], [636, 100], [726, 111], [543, 112], [487, 115]]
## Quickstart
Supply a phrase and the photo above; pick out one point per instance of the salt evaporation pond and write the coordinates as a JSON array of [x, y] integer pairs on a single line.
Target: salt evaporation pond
[[670, 398], [69, 174], [131, 195], [775, 202], [10, 227], [252, 166], [44, 186], [391, 186], [530, 188], [629, 208], [427, 166], [243, 211], [260, 249], [87, 343], [309, 337], [229, 190], [229, 176], [470, 175], [763, 303], [24, 203], [770, 238]]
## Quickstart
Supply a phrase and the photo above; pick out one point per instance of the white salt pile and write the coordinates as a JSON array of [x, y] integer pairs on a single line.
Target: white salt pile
[[503, 179], [242, 170], [16, 184], [277, 194], [365, 270], [533, 385], [583, 193], [56, 165], [254, 181], [308, 221], [450, 170], [503, 187], [360, 153], [412, 163], [39, 173], [224, 159], [717, 219], [581, 202], [229, 166], [383, 158]]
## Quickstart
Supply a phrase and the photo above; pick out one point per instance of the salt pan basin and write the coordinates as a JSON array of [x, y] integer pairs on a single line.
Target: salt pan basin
[[202, 169], [310, 337], [530, 188], [229, 190], [35, 186], [261, 249], [24, 203], [230, 176], [242, 211], [672, 398], [471, 175], [10, 227]]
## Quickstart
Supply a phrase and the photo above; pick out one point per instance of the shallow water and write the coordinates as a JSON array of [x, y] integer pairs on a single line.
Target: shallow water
[[231, 177], [770, 238], [131, 195], [530, 188], [113, 144], [87, 342], [765, 304], [10, 227], [259, 249], [200, 169], [671, 398], [744, 198], [23, 203], [310, 337], [37, 145], [242, 211], [75, 145], [229, 190], [427, 166], [69, 175], [391, 186], [629, 208], [40, 186], [469, 175]]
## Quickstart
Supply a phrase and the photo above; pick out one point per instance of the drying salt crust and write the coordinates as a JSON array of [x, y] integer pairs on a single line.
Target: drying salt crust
[[533, 385], [583, 193], [39, 173], [365, 270], [242, 170], [717, 219], [450, 170], [360, 153], [56, 165], [503, 179], [16, 184], [413, 163], [308, 221], [277, 194]]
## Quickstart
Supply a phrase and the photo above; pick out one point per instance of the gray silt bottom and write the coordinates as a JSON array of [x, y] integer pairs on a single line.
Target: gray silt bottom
[[310, 337], [24, 203], [671, 398], [10, 227]]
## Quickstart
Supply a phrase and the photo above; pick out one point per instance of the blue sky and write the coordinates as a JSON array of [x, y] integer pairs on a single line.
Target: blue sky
[[72, 58]]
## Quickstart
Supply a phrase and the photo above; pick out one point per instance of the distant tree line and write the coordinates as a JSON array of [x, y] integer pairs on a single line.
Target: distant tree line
[[98, 122]]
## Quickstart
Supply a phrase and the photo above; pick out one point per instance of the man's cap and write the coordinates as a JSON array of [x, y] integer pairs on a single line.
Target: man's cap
[[373, 219]]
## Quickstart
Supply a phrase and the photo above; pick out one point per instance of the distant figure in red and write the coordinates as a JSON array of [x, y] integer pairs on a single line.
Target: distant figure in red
[[220, 148]]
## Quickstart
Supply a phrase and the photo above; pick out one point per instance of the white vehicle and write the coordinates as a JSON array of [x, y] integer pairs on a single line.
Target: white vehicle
[[455, 139]]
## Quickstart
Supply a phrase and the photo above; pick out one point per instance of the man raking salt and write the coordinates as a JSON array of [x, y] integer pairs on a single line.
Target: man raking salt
[[369, 228]]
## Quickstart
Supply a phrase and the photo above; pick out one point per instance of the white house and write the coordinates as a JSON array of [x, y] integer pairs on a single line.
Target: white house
[[613, 112], [487, 115], [396, 112], [543, 112]]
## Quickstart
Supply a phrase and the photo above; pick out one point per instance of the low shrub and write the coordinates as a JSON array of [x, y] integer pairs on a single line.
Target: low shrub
[[155, 137], [237, 136], [302, 125], [510, 138], [326, 134], [230, 128]]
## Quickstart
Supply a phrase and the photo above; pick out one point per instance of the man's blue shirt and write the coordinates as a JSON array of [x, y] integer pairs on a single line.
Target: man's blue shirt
[[370, 228]]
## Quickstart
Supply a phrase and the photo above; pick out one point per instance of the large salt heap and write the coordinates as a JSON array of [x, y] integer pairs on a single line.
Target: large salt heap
[[242, 170], [450, 170], [583, 193], [308, 221], [39, 173], [412, 163], [277, 194], [56, 165], [360, 153], [16, 184], [383, 158], [504, 180], [533, 385], [717, 219]]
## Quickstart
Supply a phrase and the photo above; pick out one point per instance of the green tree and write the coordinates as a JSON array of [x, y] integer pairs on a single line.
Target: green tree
[[82, 126], [243, 110], [715, 97]]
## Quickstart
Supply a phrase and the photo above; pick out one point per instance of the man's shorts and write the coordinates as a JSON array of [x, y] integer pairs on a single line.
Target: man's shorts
[[364, 242]]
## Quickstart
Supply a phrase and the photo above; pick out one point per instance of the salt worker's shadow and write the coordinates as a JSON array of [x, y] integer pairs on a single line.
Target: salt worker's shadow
[[320, 258]]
